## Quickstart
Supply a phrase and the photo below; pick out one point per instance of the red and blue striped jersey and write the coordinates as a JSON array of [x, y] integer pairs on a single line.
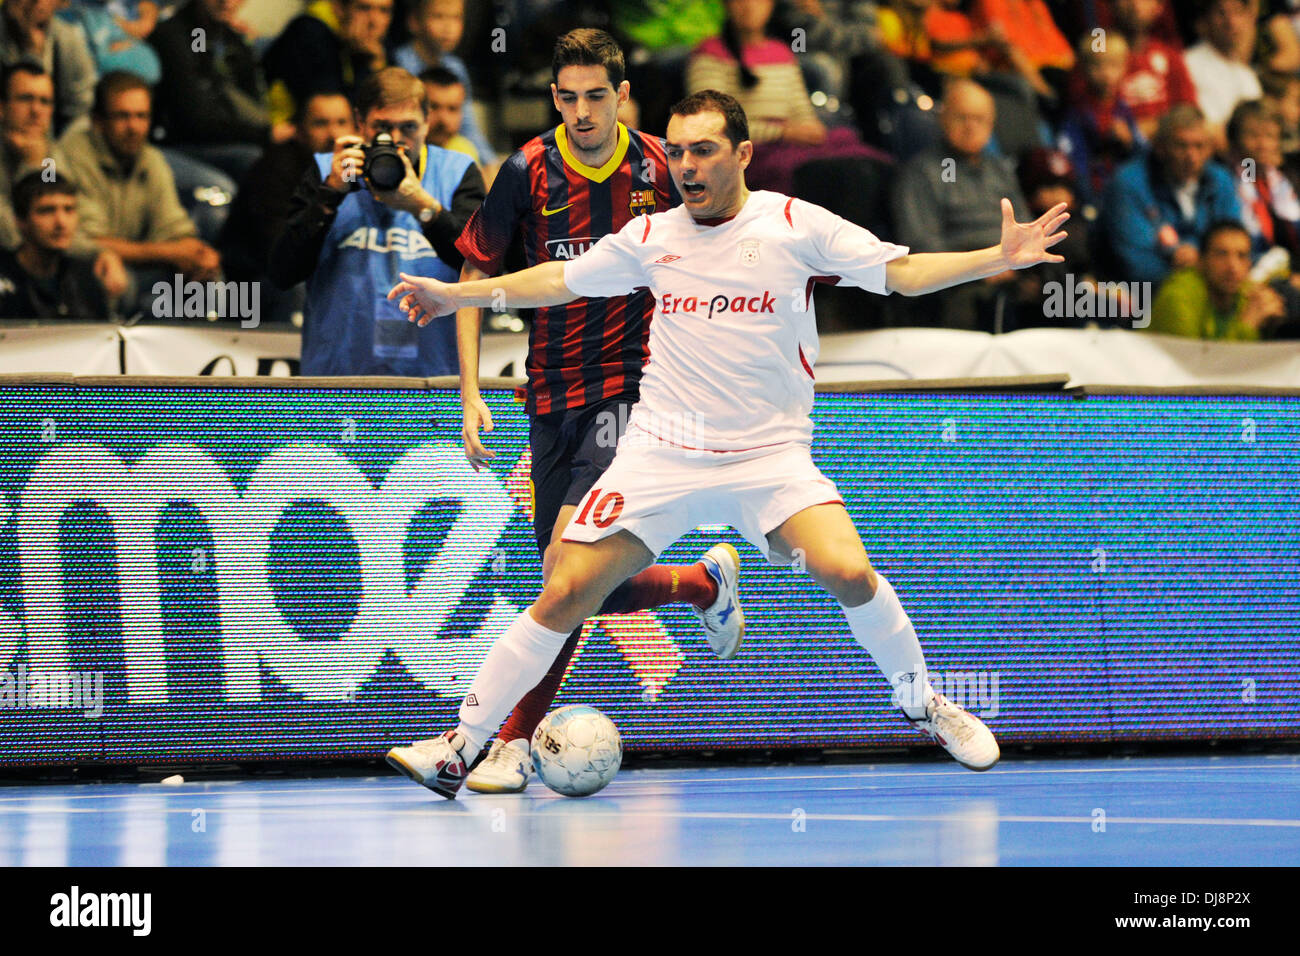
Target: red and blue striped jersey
[[589, 349]]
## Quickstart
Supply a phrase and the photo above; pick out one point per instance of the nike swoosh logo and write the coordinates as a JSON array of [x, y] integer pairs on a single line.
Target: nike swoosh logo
[[552, 212]]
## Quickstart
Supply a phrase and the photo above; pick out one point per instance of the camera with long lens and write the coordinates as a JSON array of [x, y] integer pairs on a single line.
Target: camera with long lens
[[383, 168]]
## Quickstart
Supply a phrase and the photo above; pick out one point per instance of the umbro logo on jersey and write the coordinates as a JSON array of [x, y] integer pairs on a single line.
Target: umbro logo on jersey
[[666, 259], [718, 304], [568, 248], [471, 701]]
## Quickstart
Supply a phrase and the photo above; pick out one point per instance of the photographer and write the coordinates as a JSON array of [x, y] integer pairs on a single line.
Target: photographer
[[349, 237]]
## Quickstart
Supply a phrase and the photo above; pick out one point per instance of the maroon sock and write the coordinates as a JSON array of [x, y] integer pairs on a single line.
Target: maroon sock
[[536, 704], [662, 584]]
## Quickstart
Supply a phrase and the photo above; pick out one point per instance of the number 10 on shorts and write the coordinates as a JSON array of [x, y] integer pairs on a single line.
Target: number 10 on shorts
[[604, 510]]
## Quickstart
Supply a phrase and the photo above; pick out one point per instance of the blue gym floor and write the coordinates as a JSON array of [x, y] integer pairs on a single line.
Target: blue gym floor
[[1236, 810]]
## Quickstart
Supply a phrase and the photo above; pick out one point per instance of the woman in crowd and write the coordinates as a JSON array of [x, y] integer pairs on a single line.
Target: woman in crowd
[[763, 74]]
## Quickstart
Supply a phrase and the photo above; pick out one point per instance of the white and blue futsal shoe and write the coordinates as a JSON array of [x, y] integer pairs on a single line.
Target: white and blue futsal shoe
[[724, 620]]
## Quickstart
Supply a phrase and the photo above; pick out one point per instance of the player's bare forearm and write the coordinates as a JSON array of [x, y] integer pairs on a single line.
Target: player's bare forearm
[[469, 321], [476, 415], [527, 289], [423, 298], [924, 272], [1024, 244]]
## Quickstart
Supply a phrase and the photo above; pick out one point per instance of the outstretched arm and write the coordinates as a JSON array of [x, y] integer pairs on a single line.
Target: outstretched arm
[[422, 298], [1023, 245]]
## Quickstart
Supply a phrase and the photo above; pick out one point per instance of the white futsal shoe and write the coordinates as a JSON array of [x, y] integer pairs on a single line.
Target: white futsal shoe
[[959, 732], [505, 769], [723, 620], [439, 764]]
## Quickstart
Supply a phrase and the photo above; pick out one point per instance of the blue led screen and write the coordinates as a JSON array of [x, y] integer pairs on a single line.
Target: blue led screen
[[296, 573]]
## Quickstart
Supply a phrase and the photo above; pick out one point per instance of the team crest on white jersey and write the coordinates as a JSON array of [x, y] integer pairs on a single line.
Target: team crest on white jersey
[[749, 252]]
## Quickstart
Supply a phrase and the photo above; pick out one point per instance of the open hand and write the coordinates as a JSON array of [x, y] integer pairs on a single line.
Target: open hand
[[196, 259], [423, 298], [111, 273], [1026, 244], [31, 144], [345, 168], [476, 416], [1186, 257], [1262, 304], [409, 194]]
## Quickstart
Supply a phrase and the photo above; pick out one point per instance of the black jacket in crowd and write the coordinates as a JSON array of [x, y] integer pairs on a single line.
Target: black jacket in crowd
[[216, 96], [72, 292]]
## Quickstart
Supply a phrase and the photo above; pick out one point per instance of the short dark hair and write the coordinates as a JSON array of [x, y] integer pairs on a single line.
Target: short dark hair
[[1203, 8], [419, 6], [388, 87], [1244, 113], [22, 66], [34, 186], [1181, 116], [112, 84], [587, 46], [440, 76], [303, 105], [1219, 227], [715, 101], [1276, 84]]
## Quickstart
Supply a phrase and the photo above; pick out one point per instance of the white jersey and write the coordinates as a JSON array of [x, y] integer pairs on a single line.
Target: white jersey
[[734, 336]]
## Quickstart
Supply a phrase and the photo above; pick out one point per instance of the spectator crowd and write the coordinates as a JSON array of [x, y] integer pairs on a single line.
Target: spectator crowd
[[145, 140]]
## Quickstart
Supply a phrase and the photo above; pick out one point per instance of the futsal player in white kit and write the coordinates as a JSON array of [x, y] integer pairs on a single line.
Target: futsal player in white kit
[[722, 433]]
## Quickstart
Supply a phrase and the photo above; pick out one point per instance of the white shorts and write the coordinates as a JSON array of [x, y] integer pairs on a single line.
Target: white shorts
[[660, 492]]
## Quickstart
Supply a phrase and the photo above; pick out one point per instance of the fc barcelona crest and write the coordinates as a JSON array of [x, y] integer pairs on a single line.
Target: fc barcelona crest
[[749, 252], [641, 202]]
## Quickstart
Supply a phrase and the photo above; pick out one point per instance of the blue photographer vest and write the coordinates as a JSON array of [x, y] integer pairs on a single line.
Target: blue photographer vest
[[350, 328]]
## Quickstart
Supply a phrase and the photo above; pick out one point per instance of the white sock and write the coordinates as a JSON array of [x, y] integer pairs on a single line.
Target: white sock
[[517, 661], [882, 627]]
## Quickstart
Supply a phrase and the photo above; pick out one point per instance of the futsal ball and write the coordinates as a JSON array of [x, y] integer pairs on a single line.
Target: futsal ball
[[577, 750]]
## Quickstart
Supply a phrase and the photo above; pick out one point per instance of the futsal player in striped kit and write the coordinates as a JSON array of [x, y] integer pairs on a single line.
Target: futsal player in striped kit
[[560, 193], [734, 333]]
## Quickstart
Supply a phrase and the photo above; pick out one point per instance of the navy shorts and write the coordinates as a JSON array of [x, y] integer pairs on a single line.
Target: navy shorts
[[570, 451]]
